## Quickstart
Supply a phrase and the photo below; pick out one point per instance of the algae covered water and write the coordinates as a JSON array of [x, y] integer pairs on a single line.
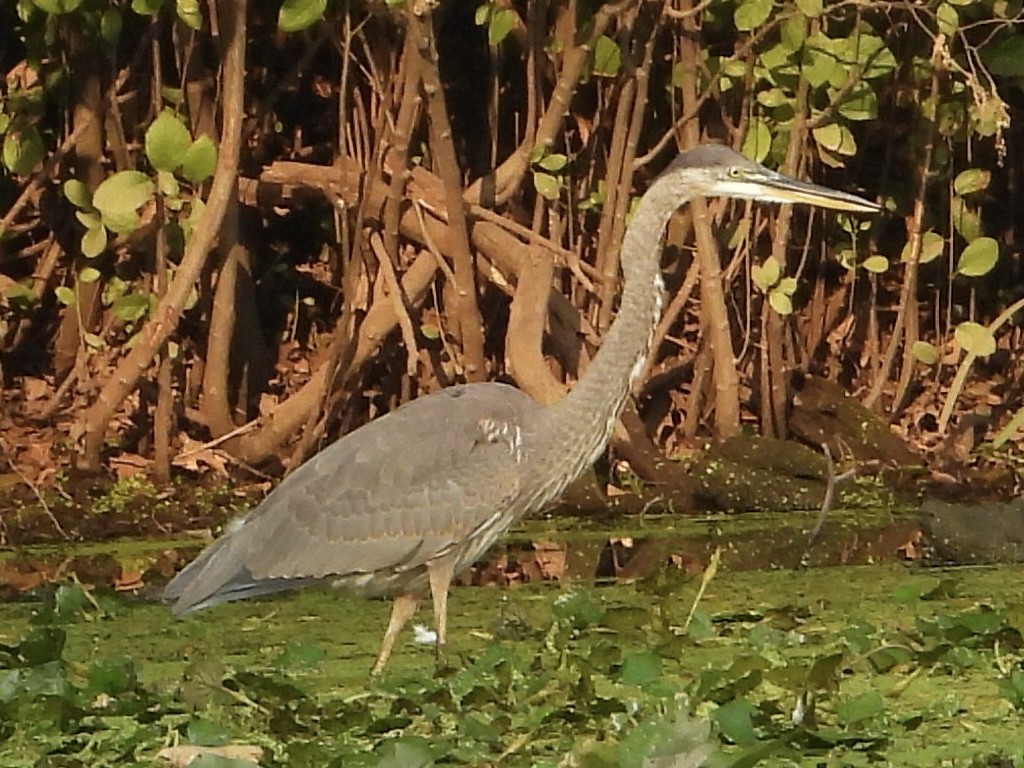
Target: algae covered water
[[854, 665]]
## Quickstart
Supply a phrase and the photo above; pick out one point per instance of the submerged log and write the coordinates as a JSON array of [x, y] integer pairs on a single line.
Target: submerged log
[[962, 534], [747, 473], [824, 414]]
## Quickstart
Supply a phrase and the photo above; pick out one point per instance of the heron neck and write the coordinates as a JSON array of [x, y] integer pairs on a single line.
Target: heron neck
[[582, 421]]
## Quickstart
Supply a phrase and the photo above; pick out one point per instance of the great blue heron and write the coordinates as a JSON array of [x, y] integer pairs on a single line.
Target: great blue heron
[[407, 501]]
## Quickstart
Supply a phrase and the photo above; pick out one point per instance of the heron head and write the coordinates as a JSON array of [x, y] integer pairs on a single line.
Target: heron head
[[713, 170]]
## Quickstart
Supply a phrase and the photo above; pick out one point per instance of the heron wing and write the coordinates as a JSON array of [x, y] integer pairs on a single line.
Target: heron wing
[[393, 495]]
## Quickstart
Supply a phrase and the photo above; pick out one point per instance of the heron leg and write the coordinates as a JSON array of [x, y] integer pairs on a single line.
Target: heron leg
[[440, 574], [401, 611]]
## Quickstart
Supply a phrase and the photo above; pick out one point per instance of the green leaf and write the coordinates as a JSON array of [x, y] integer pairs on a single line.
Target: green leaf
[[1011, 688], [972, 180], [787, 285], [836, 138], [553, 163], [860, 708], [172, 96], [65, 295], [812, 9], [131, 307], [924, 352], [988, 116], [978, 258], [89, 275], [57, 7], [1006, 57], [296, 15], [200, 160], [20, 293], [89, 219], [92, 341], [607, 57], [167, 139], [147, 7], [641, 667], [112, 676], [772, 98], [758, 140], [42, 644], [734, 68], [975, 338], [966, 220], [195, 214], [947, 19], [873, 52], [847, 258], [207, 733], [167, 185], [860, 104], [547, 185], [781, 302], [501, 23], [820, 60], [751, 14], [77, 193], [302, 655], [875, 264], [792, 34], [94, 242], [190, 13], [110, 26], [114, 288], [734, 718], [766, 274], [124, 192], [23, 149], [825, 672], [483, 12], [932, 246], [121, 223]]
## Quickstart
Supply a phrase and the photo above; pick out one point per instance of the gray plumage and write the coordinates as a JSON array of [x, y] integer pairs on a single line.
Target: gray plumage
[[383, 500], [403, 503]]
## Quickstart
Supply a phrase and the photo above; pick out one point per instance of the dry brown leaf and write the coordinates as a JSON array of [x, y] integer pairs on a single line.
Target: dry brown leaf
[[550, 560], [194, 457], [35, 389], [129, 464], [128, 580], [911, 548], [268, 403]]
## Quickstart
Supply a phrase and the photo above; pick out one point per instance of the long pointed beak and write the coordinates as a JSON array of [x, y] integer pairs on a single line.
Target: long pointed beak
[[783, 189]]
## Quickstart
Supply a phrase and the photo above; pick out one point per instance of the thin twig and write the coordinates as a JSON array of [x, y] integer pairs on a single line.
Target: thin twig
[[241, 430], [832, 481], [705, 579], [442, 263], [42, 502], [585, 273], [398, 300]]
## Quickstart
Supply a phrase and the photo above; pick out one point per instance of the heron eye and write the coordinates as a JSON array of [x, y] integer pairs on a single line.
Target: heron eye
[[735, 172]]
